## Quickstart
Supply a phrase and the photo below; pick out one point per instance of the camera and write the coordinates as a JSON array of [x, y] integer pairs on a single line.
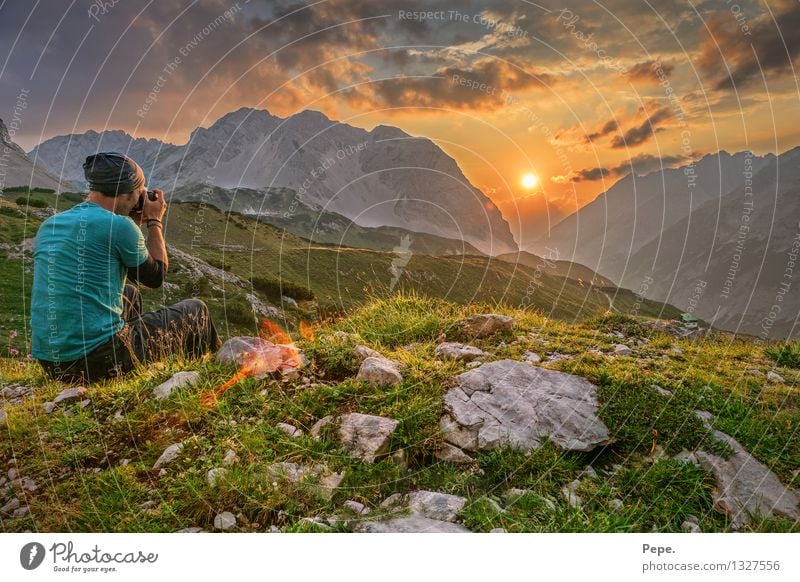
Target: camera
[[140, 205]]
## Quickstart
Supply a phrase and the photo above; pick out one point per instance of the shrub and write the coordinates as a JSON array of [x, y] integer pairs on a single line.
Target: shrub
[[274, 288], [73, 196], [787, 355], [239, 312], [31, 202]]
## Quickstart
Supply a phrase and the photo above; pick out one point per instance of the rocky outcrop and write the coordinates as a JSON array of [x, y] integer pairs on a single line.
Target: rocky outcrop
[[511, 403], [364, 436]]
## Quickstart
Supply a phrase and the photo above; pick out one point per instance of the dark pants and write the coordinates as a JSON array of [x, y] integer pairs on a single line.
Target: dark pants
[[183, 328]]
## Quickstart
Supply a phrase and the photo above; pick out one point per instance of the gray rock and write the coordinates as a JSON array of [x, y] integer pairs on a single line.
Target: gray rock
[[705, 416], [498, 530], [316, 430], [745, 486], [236, 349], [486, 324], [170, 454], [452, 454], [214, 476], [570, 493], [230, 458], [434, 505], [411, 524], [290, 429], [48, 407], [178, 380], [774, 377], [691, 525], [587, 471], [356, 507], [225, 520], [531, 357], [364, 436], [616, 504], [11, 506], [755, 372], [379, 372], [660, 390], [509, 402], [457, 351], [3, 418], [22, 511], [190, 530], [622, 350], [69, 394], [322, 480], [363, 352], [394, 501]]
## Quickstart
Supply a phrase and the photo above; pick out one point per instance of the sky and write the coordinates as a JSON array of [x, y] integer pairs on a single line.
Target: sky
[[543, 105]]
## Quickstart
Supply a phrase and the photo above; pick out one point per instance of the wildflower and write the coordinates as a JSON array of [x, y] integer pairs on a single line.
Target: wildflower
[[13, 334], [13, 351]]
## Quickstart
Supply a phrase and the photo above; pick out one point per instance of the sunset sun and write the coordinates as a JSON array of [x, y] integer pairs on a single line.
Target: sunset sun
[[530, 181]]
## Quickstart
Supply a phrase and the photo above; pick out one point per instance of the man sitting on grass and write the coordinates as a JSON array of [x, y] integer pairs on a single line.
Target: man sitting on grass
[[86, 321]]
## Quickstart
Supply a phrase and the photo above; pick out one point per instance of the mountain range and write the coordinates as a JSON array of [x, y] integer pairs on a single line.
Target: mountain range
[[382, 177], [17, 169], [718, 237]]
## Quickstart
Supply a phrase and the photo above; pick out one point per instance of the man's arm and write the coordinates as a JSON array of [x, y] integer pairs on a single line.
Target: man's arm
[[153, 270]]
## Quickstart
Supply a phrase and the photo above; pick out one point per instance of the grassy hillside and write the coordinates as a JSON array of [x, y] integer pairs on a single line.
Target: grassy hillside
[[92, 464], [340, 278]]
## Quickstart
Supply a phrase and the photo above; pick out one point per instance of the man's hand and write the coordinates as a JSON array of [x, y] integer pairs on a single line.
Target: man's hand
[[154, 208]]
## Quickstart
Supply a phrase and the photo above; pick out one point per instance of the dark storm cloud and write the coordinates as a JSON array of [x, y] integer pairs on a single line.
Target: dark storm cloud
[[642, 132], [607, 128], [763, 43], [638, 164], [644, 71]]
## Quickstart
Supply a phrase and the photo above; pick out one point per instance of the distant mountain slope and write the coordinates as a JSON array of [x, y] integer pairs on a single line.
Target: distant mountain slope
[[17, 169], [637, 210], [558, 268], [382, 177], [734, 262]]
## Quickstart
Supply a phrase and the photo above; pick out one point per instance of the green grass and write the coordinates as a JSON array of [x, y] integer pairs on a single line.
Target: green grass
[[94, 471]]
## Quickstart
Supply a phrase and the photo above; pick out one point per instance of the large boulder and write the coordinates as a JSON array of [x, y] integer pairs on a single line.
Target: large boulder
[[511, 403], [486, 324], [364, 436], [457, 351], [745, 486]]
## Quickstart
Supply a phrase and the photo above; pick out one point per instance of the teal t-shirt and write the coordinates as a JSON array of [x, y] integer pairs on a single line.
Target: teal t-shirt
[[79, 267]]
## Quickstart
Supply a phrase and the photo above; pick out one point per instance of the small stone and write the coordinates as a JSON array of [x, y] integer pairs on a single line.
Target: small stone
[[410, 524], [774, 377], [10, 506], [170, 454], [356, 507], [230, 458], [316, 430], [479, 326], [691, 525], [289, 429], [435, 505], [755, 372], [22, 511], [28, 484], [363, 352], [12, 474], [498, 530], [48, 407], [118, 415], [622, 350], [660, 390], [366, 436], [69, 394], [162, 472], [148, 504], [379, 372], [394, 501], [3, 418], [214, 476], [587, 471], [190, 530], [85, 403], [615, 504], [178, 380], [532, 357], [225, 520], [459, 352], [452, 454], [570, 494], [124, 462]]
